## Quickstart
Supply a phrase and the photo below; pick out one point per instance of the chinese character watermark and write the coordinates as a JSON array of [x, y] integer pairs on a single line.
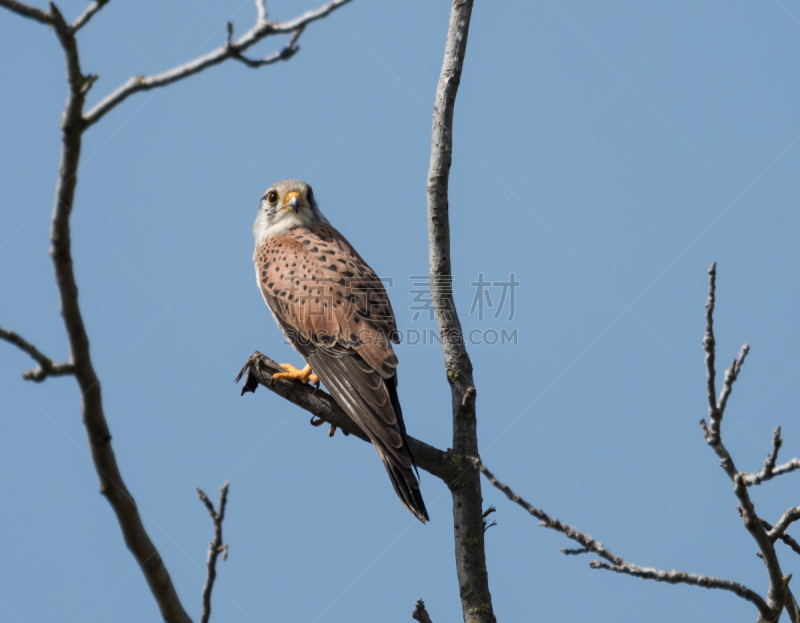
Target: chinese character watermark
[[483, 297], [425, 290]]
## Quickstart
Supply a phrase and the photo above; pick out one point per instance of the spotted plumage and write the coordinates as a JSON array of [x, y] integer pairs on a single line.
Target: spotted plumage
[[334, 310]]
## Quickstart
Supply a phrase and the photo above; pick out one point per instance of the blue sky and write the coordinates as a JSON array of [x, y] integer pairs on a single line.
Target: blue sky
[[605, 153]]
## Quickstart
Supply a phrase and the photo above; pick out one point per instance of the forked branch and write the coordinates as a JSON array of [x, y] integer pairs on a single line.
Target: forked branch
[[215, 547], [46, 366], [776, 596], [231, 49], [770, 470], [473, 579], [73, 124], [87, 14]]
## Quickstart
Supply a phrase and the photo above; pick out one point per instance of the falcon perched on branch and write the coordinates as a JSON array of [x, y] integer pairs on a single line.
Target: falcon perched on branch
[[334, 310]]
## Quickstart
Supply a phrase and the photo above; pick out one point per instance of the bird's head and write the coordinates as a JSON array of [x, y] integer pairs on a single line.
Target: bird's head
[[284, 206]]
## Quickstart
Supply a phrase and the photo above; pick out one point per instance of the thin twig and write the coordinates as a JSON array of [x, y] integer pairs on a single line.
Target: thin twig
[[486, 523], [290, 49], [588, 544], [788, 540], [46, 366], [693, 579], [87, 14], [716, 411], [619, 564], [420, 614], [261, 10], [787, 519], [709, 346], [215, 547], [770, 470], [229, 50], [772, 458], [731, 374]]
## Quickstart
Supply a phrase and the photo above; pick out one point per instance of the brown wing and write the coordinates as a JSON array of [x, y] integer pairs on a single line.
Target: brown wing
[[334, 310]]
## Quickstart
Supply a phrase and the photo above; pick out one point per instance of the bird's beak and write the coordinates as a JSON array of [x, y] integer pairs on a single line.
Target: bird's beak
[[292, 202]]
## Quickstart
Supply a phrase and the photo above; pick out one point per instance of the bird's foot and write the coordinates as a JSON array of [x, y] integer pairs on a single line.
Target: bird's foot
[[320, 422], [293, 374]]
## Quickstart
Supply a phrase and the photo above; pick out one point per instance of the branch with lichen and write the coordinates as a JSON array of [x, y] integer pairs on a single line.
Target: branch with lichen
[[473, 578]]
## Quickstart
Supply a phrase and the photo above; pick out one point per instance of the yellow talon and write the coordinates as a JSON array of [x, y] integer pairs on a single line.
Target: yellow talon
[[293, 374]]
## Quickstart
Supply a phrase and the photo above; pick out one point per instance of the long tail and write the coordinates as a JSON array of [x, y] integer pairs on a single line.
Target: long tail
[[406, 487], [363, 393]]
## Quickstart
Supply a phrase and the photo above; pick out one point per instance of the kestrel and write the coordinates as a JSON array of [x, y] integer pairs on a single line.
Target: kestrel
[[331, 306]]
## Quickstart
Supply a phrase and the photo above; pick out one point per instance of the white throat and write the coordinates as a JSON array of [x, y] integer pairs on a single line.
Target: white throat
[[285, 221]]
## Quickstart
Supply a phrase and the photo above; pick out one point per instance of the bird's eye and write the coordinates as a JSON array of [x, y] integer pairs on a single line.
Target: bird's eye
[[310, 195], [272, 198]]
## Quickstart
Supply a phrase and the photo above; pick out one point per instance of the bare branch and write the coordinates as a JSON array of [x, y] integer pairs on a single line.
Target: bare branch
[[111, 484], [486, 523], [307, 18], [215, 548], [285, 54], [231, 49], [717, 409], [709, 346], [791, 604], [574, 551], [73, 124], [259, 370], [588, 544], [680, 577], [780, 470], [261, 11], [420, 614], [88, 13], [776, 595], [777, 442], [619, 564], [770, 471], [473, 579], [789, 517], [788, 540], [28, 11], [712, 432], [731, 374], [46, 366]]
